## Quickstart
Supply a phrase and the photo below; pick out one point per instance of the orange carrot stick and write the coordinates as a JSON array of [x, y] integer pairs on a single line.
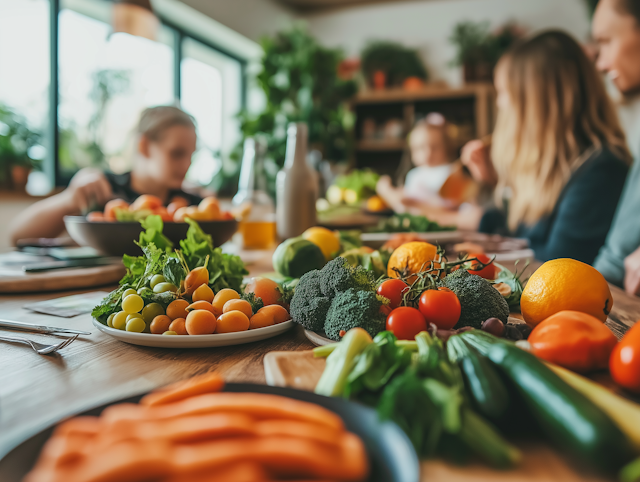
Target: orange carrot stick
[[258, 405], [207, 383]]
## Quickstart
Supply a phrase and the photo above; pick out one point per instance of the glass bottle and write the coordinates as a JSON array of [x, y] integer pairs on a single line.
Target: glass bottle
[[257, 225], [296, 186]]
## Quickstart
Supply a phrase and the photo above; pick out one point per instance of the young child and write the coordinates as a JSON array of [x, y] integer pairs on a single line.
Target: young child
[[166, 140], [431, 154]]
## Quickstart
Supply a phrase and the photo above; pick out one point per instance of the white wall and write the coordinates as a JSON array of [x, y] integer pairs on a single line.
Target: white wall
[[427, 25], [251, 18]]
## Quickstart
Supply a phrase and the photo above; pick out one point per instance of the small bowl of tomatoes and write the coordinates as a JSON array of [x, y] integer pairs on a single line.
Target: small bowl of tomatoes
[[114, 231]]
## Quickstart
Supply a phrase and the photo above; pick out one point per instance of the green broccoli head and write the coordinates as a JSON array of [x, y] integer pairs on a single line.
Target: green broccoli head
[[309, 306], [255, 301], [355, 308], [338, 275], [478, 299]]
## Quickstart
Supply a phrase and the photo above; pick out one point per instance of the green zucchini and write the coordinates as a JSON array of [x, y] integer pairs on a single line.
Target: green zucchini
[[481, 380], [568, 418]]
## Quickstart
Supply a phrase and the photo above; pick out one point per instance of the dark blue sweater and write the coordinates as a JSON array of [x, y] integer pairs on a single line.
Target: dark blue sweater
[[578, 225]]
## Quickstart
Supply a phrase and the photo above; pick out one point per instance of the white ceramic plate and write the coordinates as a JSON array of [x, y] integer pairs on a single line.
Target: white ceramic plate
[[195, 341]]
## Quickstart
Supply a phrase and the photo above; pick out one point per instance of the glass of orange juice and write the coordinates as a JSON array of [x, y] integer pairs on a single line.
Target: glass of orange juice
[[258, 233]]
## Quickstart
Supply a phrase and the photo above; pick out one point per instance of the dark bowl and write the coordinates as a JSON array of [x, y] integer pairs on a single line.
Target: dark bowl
[[116, 239], [391, 454]]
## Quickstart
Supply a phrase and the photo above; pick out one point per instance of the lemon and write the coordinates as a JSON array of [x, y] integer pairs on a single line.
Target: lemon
[[325, 239]]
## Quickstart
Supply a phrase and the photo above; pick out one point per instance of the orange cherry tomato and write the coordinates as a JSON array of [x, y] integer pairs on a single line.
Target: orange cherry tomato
[[111, 206], [488, 272], [624, 363], [164, 214], [406, 322], [440, 307]]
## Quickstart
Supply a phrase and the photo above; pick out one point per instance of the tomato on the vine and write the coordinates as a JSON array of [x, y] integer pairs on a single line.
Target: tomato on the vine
[[393, 290], [440, 307], [624, 363], [406, 322], [488, 272]]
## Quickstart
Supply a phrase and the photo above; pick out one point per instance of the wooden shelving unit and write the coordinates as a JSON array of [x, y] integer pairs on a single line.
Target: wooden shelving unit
[[469, 109]]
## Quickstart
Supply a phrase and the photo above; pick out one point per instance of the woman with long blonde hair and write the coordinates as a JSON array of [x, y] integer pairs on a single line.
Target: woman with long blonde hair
[[558, 150]]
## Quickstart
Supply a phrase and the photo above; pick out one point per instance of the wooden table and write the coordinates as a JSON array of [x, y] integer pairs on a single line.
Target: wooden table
[[39, 390]]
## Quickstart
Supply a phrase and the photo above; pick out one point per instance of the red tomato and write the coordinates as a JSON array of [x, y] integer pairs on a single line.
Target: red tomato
[[406, 322], [393, 289], [266, 289], [488, 272], [111, 206], [624, 363], [440, 307], [146, 201]]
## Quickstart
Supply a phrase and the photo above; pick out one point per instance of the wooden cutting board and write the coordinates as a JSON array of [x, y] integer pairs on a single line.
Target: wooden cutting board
[[17, 281], [540, 462]]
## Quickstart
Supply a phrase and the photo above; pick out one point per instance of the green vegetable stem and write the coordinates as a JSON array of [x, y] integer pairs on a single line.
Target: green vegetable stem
[[341, 362]]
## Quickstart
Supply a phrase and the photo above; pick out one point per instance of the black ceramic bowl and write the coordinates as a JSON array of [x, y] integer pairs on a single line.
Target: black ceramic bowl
[[116, 239], [391, 455]]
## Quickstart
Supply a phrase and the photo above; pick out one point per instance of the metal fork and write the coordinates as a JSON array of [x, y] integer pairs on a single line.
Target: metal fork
[[38, 347]]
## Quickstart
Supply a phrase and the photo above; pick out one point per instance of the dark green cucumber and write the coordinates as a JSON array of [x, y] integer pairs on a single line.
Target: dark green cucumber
[[569, 419], [481, 380]]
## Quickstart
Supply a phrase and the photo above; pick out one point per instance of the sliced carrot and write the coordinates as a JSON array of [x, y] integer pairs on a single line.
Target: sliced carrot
[[302, 430], [258, 405], [180, 430], [282, 456], [246, 472], [207, 383]]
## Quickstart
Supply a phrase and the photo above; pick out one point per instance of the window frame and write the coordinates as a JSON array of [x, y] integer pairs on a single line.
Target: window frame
[[180, 33]]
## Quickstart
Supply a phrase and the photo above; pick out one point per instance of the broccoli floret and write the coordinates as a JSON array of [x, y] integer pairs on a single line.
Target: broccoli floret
[[355, 308], [255, 301], [309, 306], [338, 275], [478, 299]]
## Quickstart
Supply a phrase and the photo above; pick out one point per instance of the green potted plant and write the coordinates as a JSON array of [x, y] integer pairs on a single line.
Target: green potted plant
[[479, 49], [389, 64], [300, 81], [16, 141]]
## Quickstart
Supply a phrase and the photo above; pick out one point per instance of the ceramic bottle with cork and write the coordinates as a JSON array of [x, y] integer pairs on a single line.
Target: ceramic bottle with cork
[[296, 186]]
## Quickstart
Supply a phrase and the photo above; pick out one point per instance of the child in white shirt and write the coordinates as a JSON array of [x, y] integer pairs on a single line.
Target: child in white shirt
[[431, 154]]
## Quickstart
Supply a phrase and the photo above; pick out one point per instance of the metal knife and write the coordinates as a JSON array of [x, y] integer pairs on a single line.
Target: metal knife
[[16, 325]]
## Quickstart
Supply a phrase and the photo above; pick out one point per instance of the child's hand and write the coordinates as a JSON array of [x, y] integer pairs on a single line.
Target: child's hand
[[475, 155], [384, 185], [87, 190]]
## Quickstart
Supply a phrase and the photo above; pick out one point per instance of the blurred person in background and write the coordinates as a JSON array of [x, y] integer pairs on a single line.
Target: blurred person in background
[[432, 157], [616, 29], [165, 142], [558, 150]]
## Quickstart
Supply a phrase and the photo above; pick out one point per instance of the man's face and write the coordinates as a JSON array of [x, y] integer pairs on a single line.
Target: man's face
[[618, 36]]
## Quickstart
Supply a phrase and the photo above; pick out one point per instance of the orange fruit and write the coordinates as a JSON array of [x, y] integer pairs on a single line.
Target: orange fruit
[[177, 309], [261, 320], [178, 325], [412, 258], [223, 296], [160, 324], [278, 313], [232, 321], [204, 305], [565, 284], [238, 305], [203, 293], [200, 322]]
